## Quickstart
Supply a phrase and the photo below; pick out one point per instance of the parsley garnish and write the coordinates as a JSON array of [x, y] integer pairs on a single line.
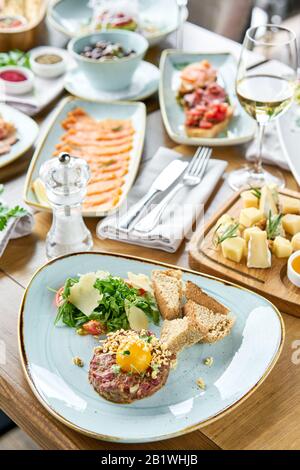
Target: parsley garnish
[[126, 353], [7, 213]]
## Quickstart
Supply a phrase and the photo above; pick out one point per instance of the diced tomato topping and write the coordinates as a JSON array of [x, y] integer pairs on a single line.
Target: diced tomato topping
[[94, 327], [205, 124], [142, 291], [58, 297]]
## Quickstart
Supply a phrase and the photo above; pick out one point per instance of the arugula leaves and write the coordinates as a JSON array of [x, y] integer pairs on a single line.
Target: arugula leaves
[[117, 296]]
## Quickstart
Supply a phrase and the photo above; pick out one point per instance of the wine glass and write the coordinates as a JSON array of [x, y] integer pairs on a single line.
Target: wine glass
[[182, 5], [265, 91]]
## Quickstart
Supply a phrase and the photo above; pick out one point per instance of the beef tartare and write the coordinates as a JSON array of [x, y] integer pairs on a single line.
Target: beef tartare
[[129, 366]]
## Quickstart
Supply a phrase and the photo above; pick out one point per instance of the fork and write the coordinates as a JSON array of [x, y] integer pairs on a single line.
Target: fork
[[192, 177]]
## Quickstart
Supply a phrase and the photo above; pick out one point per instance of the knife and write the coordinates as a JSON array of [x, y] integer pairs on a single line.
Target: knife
[[162, 182]]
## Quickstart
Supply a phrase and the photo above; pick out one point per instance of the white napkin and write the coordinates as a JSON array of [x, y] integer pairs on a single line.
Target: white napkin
[[272, 152], [16, 228], [178, 219]]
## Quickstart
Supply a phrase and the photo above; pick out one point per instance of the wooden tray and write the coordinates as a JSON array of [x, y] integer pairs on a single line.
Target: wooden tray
[[271, 283]]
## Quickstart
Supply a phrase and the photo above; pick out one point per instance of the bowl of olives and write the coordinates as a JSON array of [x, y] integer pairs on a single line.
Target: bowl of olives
[[109, 58]]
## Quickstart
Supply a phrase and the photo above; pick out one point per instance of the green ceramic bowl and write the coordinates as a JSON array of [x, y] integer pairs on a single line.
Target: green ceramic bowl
[[111, 74]]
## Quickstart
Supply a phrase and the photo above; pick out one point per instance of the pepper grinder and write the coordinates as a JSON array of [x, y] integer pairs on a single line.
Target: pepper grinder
[[65, 179]]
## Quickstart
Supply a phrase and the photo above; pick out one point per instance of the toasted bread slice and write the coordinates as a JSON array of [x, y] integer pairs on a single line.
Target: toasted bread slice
[[195, 293], [181, 332], [214, 131], [177, 273], [168, 293], [218, 325]]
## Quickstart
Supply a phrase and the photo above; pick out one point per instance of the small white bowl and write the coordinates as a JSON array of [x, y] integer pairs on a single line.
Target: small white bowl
[[293, 276], [47, 70], [17, 88]]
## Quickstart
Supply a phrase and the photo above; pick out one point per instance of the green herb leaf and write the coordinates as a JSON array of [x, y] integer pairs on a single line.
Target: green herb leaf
[[116, 369], [117, 128], [6, 213], [273, 226], [256, 192], [15, 57], [229, 232], [126, 353]]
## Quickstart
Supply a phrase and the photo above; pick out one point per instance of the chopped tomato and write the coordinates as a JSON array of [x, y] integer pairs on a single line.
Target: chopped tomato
[[205, 124], [142, 291], [94, 327], [58, 297]]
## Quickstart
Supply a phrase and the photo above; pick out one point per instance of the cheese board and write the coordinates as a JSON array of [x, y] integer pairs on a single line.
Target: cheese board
[[272, 282]]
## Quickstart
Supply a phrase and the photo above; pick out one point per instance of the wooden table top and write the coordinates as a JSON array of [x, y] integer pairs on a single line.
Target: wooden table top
[[269, 419]]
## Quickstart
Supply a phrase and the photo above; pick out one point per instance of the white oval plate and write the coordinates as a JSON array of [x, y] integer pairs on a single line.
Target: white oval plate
[[27, 131], [144, 83]]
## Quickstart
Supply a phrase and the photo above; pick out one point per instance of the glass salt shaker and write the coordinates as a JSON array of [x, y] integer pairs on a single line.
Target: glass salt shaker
[[65, 179]]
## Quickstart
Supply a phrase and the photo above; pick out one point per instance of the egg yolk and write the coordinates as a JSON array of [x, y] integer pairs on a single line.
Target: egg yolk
[[134, 357]]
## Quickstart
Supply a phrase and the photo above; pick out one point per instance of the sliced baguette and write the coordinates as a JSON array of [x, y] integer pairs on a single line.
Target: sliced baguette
[[218, 325], [214, 131], [181, 332], [168, 294], [195, 293]]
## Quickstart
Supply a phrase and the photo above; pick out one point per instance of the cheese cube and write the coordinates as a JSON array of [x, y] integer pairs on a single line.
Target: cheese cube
[[223, 221], [291, 223], [268, 201], [250, 216], [249, 199], [282, 248], [259, 255], [296, 242], [233, 248], [247, 234], [248, 231], [289, 205]]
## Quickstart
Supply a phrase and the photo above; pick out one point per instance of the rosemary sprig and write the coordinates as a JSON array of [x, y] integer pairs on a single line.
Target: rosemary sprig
[[273, 226], [229, 232], [256, 192]]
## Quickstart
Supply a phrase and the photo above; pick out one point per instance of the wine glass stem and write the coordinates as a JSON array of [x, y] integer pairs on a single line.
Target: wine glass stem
[[179, 35], [258, 160]]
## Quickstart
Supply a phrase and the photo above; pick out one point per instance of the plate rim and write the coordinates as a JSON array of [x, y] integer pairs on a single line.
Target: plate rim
[[131, 100], [159, 36], [213, 141], [35, 126], [186, 430], [41, 143]]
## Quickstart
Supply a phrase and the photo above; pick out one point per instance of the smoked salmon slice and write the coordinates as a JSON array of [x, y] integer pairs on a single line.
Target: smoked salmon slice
[[106, 146]]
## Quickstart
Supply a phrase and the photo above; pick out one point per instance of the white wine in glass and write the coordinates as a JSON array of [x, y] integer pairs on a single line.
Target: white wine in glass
[[265, 87]]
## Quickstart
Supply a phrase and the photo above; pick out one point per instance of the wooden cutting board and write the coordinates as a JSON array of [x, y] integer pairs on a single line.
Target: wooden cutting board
[[272, 283]]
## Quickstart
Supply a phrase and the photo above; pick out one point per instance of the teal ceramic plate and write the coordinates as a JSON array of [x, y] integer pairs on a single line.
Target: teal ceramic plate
[[118, 110], [241, 361], [241, 128], [144, 83], [158, 18], [289, 135], [27, 131]]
